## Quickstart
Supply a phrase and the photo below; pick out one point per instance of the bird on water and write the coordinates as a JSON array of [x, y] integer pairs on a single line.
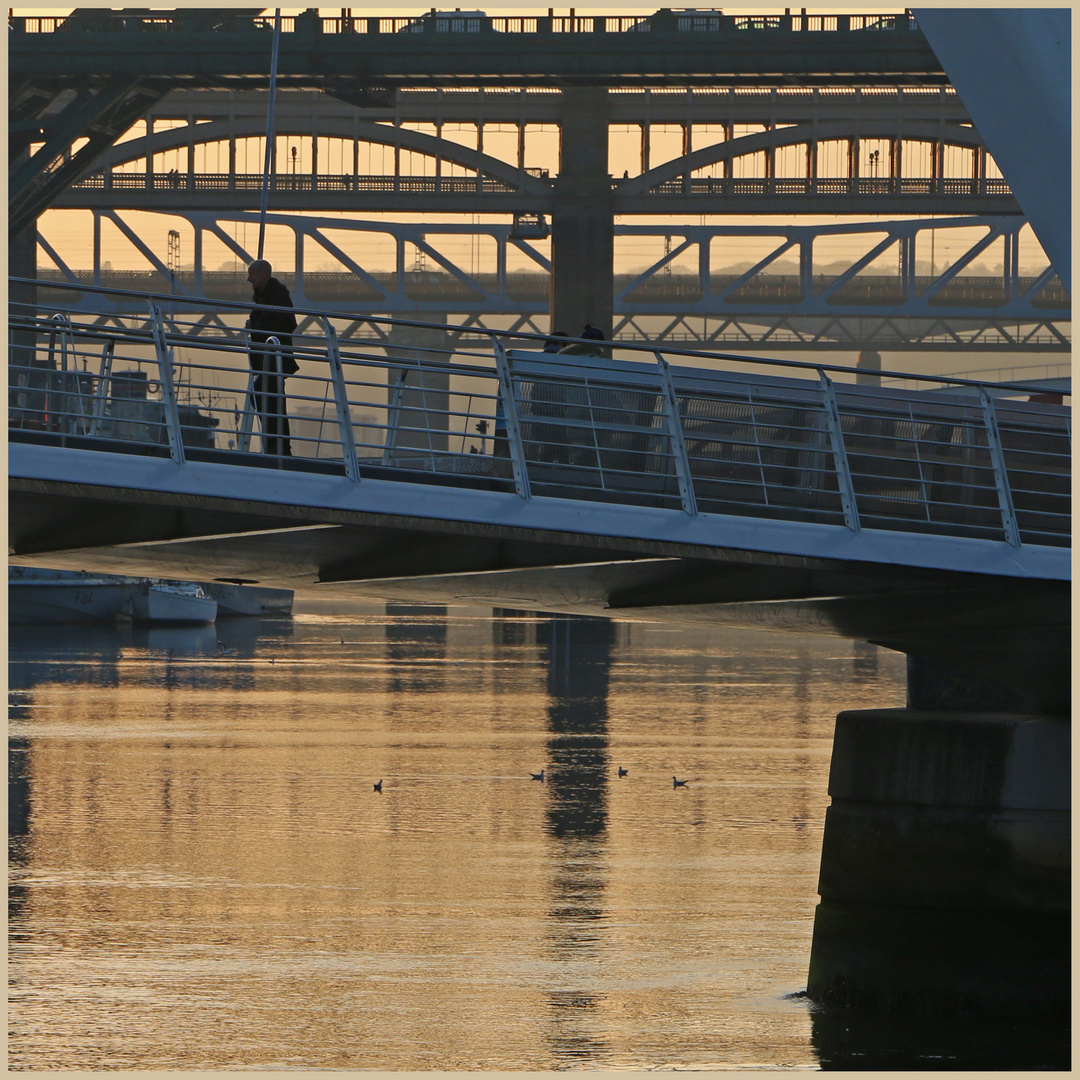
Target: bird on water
[[676, 782], [378, 786], [622, 771], [537, 775]]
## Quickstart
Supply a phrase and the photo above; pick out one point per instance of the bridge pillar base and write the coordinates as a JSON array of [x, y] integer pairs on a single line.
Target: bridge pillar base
[[945, 869]]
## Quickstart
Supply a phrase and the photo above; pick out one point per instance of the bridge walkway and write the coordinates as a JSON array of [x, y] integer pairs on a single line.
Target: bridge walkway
[[698, 437]]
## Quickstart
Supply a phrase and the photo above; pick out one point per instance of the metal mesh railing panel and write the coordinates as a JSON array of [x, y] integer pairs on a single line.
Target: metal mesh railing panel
[[971, 462]]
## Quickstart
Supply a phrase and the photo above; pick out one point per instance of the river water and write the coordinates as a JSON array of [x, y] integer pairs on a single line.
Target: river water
[[206, 879]]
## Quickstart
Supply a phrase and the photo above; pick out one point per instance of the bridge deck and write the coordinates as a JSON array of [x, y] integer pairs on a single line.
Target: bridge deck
[[795, 457]]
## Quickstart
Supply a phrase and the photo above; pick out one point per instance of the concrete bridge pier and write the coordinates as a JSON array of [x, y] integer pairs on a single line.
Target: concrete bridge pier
[[22, 263], [22, 299], [582, 218], [945, 870], [418, 400]]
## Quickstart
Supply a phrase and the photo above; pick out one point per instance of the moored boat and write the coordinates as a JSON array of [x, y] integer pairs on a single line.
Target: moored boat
[[172, 602], [82, 600], [238, 600]]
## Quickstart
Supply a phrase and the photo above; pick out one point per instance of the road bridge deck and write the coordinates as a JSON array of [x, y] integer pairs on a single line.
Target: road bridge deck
[[436, 49]]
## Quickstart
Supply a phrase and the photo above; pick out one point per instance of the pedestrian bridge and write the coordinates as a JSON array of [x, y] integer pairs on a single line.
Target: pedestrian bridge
[[921, 513]]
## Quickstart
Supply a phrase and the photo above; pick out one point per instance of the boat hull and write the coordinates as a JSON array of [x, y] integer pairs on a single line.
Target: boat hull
[[240, 600], [58, 602], [156, 605]]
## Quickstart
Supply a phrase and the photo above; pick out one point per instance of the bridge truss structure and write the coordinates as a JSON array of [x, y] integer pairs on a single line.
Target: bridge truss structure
[[795, 295], [791, 115]]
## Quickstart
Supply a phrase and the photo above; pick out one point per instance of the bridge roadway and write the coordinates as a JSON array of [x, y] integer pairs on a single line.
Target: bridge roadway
[[355, 193], [930, 520], [440, 49]]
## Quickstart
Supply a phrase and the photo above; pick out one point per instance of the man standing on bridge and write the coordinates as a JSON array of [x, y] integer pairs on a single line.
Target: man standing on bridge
[[272, 366]]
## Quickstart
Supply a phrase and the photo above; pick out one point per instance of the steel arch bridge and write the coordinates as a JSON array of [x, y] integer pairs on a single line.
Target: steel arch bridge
[[735, 176]]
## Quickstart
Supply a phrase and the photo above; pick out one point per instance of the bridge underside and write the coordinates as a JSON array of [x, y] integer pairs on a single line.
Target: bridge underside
[[1009, 636]]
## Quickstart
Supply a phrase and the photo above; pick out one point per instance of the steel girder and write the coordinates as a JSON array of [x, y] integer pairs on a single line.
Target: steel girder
[[99, 111], [813, 308]]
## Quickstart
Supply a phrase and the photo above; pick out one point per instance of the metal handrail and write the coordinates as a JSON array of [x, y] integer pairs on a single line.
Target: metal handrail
[[538, 339], [738, 435]]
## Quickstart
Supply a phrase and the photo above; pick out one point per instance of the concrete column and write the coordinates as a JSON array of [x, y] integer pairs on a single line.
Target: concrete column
[[582, 225], [869, 361], [23, 354], [945, 865], [423, 402], [22, 262]]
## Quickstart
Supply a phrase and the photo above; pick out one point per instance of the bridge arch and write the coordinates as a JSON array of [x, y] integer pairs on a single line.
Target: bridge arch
[[808, 134], [363, 130]]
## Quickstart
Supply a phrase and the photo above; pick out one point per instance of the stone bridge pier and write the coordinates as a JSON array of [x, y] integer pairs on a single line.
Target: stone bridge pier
[[945, 865]]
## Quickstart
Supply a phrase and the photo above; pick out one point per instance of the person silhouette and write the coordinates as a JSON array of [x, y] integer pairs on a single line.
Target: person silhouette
[[271, 366]]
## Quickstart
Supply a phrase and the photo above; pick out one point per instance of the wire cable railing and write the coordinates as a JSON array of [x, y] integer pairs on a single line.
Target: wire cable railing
[[686, 431]]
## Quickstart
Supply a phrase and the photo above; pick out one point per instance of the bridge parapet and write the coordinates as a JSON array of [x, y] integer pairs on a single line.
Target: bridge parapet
[[456, 23], [689, 433]]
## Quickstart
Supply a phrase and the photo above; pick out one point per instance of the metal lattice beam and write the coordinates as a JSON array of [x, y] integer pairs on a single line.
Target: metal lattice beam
[[817, 314]]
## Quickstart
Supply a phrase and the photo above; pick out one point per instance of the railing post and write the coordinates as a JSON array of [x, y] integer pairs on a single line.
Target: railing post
[[678, 443], [393, 417], [168, 389], [64, 323], [247, 420], [104, 382], [1001, 475], [56, 395], [843, 470], [510, 418], [341, 400]]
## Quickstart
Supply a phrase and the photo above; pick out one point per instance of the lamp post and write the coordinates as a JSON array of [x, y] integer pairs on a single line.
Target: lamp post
[[875, 156]]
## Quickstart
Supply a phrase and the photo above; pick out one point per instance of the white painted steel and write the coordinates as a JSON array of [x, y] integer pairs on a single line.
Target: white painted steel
[[675, 433], [168, 389], [843, 469], [733, 438], [341, 402], [569, 516], [509, 410], [1001, 475]]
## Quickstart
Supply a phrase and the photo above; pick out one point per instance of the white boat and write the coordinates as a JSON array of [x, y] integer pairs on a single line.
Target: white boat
[[172, 602]]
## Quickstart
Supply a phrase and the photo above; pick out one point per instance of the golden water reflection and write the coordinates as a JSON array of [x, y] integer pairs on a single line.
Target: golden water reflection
[[204, 877]]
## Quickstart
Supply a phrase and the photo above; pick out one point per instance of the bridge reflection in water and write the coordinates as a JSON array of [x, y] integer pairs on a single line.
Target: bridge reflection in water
[[930, 516]]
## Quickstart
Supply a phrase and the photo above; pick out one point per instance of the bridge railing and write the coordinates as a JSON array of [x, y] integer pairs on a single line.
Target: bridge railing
[[457, 23], [732, 186], [692, 433]]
